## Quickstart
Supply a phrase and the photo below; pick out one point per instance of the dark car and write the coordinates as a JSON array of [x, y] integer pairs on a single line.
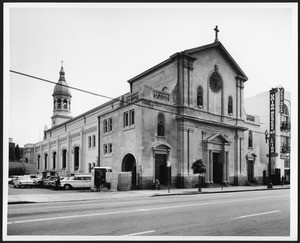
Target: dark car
[[50, 181], [40, 182]]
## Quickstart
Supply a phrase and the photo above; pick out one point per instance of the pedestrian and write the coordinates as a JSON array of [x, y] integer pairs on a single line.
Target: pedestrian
[[57, 182], [157, 183], [97, 182], [282, 181]]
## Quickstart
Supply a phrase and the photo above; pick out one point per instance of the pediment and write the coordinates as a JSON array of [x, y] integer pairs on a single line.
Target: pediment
[[217, 138]]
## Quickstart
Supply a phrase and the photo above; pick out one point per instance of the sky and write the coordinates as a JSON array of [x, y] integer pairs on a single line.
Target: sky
[[104, 45]]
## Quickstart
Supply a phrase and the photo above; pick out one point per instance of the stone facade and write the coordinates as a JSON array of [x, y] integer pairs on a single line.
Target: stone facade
[[189, 107]]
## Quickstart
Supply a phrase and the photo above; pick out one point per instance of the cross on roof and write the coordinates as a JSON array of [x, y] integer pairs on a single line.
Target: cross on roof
[[216, 30], [62, 62]]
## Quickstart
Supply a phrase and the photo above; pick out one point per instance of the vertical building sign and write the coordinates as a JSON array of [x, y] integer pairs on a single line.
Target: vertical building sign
[[281, 99], [272, 122]]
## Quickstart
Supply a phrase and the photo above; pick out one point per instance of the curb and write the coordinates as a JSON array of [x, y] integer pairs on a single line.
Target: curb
[[157, 195], [223, 191]]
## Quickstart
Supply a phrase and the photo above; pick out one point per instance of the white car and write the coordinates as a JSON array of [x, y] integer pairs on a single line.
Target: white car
[[76, 181], [23, 181]]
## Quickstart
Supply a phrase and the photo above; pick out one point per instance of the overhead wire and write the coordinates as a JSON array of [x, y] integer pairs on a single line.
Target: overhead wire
[[107, 97]]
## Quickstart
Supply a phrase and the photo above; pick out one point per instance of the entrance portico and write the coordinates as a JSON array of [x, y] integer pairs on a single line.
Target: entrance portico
[[217, 166]]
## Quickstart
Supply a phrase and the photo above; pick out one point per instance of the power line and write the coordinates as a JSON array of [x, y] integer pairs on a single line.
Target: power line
[[107, 97]]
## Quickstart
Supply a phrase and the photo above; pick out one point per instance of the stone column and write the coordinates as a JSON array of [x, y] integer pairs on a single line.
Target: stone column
[[236, 159], [227, 168], [242, 100], [81, 166], [49, 156], [68, 155], [237, 98], [207, 174], [41, 158], [58, 157], [224, 168], [211, 169]]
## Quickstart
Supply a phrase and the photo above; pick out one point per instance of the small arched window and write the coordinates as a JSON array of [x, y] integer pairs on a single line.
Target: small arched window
[[200, 96], [230, 105], [250, 139], [59, 103], [65, 104], [161, 125]]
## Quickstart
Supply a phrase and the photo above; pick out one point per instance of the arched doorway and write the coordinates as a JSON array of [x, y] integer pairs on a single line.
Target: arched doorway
[[76, 158], [161, 152], [129, 164], [250, 157]]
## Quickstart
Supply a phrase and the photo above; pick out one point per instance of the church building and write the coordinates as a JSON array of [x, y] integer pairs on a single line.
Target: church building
[[188, 107]]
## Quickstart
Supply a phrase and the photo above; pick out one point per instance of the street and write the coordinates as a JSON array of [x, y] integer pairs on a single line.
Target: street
[[253, 213]]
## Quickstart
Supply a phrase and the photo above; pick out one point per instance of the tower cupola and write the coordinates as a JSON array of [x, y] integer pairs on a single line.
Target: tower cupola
[[61, 100]]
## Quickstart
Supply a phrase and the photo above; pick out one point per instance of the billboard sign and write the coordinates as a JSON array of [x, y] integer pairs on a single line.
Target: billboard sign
[[281, 99], [272, 121]]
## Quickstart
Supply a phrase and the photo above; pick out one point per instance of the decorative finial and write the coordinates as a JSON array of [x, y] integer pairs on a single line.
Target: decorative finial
[[62, 72], [216, 30]]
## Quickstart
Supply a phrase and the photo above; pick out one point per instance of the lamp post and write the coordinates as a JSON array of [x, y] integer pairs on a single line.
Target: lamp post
[[169, 175], [268, 137]]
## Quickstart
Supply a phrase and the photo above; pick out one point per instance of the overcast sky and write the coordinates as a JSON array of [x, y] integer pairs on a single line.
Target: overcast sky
[[104, 45]]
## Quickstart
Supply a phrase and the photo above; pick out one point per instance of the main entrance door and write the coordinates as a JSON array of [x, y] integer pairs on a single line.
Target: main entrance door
[[161, 168], [217, 168]]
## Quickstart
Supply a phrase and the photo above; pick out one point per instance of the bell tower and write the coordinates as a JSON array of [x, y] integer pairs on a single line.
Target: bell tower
[[61, 100]]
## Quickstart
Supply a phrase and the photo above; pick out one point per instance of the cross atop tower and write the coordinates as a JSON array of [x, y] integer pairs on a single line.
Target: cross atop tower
[[62, 63], [216, 30]]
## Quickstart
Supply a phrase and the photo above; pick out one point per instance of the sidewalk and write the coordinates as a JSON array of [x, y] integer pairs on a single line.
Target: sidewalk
[[106, 195]]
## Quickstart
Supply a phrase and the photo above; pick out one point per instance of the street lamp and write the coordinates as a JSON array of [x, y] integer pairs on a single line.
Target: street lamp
[[268, 137]]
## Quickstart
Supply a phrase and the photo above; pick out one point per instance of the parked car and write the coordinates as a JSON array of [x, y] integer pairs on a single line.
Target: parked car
[[11, 179], [50, 181], [35, 178], [76, 181], [23, 181]]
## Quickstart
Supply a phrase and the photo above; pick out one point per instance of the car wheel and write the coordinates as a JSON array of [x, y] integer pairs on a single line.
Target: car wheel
[[14, 186], [67, 187]]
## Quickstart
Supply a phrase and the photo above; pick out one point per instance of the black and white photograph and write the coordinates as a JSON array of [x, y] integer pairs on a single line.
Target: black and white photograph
[[150, 121]]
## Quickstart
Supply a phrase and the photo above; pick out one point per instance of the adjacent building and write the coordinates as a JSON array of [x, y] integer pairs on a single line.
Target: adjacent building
[[277, 101], [188, 107]]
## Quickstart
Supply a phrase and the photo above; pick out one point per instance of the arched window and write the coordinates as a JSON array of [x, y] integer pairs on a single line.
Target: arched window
[[59, 103], [76, 158], [215, 82], [39, 161], [65, 104], [200, 96], [285, 114], [54, 160], [46, 160], [230, 105], [64, 158], [161, 125], [250, 139]]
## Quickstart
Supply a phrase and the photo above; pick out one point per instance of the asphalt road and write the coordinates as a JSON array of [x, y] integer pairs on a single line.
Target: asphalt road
[[253, 213]]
